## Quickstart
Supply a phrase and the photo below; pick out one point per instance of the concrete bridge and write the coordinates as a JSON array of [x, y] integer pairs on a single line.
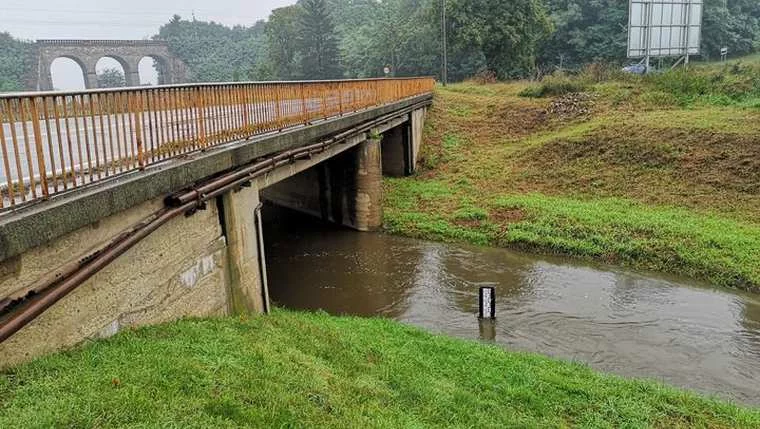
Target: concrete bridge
[[87, 53], [170, 226]]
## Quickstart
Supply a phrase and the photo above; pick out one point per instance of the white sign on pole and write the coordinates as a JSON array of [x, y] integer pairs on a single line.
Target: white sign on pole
[[664, 28]]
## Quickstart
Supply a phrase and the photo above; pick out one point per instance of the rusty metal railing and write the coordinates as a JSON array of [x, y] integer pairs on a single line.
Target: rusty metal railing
[[51, 142]]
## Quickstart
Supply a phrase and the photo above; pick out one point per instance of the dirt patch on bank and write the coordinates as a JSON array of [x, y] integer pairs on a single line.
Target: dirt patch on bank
[[506, 216], [664, 165], [516, 121], [728, 161]]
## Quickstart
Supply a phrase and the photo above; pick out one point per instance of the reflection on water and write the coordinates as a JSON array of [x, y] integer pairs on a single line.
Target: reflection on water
[[672, 330]]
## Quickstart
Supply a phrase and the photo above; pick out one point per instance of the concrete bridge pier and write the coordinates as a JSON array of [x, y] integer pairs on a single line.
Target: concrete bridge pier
[[133, 77], [369, 186], [346, 189], [91, 79]]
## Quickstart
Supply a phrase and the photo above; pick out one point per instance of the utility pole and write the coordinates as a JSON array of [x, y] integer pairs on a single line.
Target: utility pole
[[445, 67]]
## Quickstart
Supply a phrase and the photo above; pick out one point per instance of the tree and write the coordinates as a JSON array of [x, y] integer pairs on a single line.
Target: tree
[[283, 43], [393, 33], [214, 52], [596, 30], [585, 31], [318, 44], [734, 24], [16, 63], [495, 36], [111, 78]]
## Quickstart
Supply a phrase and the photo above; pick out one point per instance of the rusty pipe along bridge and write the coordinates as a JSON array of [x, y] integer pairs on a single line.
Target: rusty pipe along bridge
[[53, 142]]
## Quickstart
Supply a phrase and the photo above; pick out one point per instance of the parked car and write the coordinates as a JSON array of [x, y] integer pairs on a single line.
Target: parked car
[[639, 69]]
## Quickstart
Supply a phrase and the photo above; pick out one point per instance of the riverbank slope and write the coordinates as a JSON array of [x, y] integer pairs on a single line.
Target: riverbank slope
[[313, 370], [659, 173]]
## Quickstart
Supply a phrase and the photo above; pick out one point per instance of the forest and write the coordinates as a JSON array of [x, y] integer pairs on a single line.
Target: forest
[[325, 39]]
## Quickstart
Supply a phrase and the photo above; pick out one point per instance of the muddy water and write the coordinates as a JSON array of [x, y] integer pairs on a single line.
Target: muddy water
[[642, 325]]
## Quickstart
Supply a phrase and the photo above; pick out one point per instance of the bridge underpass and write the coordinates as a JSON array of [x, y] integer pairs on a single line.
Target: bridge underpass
[[180, 236]]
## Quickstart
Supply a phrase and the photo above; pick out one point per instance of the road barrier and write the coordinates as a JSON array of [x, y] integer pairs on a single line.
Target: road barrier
[[52, 142]]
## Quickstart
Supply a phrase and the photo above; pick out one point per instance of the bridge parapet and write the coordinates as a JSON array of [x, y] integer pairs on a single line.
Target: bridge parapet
[[55, 142], [83, 42]]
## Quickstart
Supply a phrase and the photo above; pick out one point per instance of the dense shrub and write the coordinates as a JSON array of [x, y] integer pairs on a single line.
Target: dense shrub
[[723, 86], [555, 85]]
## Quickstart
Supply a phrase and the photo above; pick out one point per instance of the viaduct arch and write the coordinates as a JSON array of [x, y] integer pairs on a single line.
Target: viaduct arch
[[128, 53]]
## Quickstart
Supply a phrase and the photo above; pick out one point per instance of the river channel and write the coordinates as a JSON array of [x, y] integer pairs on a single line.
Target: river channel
[[678, 331]]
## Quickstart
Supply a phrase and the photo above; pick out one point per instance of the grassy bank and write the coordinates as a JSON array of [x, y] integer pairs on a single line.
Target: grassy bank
[[313, 370], [656, 173]]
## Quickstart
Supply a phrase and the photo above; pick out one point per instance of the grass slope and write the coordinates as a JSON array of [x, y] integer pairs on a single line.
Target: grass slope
[[630, 171], [313, 370]]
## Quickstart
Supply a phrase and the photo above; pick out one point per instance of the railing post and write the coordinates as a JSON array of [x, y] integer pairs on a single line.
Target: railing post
[[35, 117], [200, 111], [278, 99], [137, 108], [6, 161], [340, 97], [304, 112]]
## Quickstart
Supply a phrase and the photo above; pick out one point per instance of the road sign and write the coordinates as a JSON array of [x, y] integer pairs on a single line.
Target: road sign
[[664, 28]]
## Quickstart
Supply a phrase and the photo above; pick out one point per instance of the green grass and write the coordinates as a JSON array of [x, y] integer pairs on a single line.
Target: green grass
[[724, 251], [640, 180], [314, 370]]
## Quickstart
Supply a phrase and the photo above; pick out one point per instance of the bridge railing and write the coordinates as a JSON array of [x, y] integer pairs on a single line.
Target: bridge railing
[[51, 142]]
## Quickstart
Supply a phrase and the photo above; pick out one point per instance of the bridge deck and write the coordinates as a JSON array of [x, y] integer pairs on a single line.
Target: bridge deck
[[54, 142]]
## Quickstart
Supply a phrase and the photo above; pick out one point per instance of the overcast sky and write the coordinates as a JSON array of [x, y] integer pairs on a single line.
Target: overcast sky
[[117, 19]]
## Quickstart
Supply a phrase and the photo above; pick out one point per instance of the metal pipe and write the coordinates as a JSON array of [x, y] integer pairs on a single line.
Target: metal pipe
[[51, 295]]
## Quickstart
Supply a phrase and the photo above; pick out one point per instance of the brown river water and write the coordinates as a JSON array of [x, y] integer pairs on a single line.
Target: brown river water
[[675, 330]]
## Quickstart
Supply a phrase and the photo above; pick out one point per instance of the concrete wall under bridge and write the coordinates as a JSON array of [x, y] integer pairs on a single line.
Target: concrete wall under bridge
[[207, 263]]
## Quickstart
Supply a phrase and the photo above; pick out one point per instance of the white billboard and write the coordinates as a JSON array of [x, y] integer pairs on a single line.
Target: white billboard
[[664, 28]]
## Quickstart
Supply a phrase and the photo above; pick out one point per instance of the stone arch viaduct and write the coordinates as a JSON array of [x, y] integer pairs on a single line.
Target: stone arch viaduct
[[87, 53]]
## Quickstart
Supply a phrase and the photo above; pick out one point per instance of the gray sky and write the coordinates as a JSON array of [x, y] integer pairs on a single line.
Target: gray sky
[[117, 19]]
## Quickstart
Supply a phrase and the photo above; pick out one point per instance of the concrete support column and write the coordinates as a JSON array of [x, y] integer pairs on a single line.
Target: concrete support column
[[397, 151], [46, 83], [132, 78], [42, 80], [416, 129], [91, 78], [238, 212], [368, 204]]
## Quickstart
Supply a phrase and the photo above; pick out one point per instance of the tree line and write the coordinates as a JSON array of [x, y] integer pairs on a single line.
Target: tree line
[[326, 39]]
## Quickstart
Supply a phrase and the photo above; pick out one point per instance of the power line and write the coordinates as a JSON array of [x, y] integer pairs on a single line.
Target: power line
[[81, 23], [122, 13]]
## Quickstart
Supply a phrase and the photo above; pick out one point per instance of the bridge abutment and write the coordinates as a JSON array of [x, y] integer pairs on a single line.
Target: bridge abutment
[[178, 271], [238, 216]]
